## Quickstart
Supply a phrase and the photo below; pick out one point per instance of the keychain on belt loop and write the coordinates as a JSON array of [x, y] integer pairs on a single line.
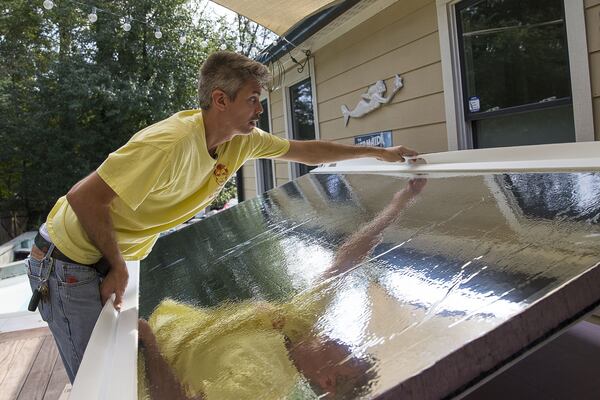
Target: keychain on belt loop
[[41, 292]]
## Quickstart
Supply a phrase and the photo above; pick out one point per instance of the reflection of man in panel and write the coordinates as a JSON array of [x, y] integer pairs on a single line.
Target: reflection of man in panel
[[166, 174], [260, 350]]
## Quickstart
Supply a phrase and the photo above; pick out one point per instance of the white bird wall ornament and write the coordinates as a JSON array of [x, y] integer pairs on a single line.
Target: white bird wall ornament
[[372, 100]]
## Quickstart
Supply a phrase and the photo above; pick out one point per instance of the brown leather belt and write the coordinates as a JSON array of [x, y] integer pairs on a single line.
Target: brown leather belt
[[101, 266], [44, 245]]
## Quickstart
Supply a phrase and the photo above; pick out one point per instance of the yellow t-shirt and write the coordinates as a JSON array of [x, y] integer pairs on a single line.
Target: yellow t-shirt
[[163, 176], [236, 350]]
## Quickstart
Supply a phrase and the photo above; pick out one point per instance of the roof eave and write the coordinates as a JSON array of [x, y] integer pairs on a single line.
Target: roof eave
[[302, 31]]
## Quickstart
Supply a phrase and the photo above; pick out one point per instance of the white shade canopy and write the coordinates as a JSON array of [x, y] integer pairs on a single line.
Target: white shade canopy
[[276, 15]]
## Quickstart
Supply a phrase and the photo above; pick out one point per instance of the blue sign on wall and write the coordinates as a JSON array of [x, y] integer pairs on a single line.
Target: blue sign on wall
[[377, 139]]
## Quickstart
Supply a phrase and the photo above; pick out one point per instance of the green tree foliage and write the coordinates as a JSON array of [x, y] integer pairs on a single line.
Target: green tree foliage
[[229, 192], [72, 91], [515, 52]]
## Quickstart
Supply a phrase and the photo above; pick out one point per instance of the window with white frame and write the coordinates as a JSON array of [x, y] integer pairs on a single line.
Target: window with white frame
[[509, 72], [515, 72], [264, 167], [302, 121]]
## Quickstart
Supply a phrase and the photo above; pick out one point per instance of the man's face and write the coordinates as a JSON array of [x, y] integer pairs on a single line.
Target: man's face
[[245, 110]]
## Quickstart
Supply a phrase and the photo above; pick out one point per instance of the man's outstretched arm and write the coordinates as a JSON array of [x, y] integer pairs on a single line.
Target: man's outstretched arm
[[314, 152], [90, 199], [359, 246]]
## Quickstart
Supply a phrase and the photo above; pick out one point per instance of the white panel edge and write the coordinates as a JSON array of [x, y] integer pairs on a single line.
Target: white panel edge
[[109, 366], [567, 156]]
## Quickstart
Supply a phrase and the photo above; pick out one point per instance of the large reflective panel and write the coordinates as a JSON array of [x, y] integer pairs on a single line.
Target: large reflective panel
[[359, 286]]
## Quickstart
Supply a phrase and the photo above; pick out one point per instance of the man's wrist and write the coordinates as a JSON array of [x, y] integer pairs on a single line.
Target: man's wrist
[[380, 152], [376, 152], [117, 263]]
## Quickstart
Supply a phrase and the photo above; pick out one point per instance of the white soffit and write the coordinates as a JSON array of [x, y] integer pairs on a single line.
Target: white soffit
[[276, 15], [349, 20]]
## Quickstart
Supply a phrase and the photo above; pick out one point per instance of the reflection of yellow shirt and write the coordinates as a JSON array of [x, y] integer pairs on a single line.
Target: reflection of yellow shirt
[[163, 176], [237, 350]]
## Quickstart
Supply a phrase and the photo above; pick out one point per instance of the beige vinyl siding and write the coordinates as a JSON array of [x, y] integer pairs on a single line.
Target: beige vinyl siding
[[249, 171], [278, 125], [431, 137], [402, 39], [249, 194], [249, 180], [282, 172], [592, 21], [277, 120], [394, 27], [421, 82]]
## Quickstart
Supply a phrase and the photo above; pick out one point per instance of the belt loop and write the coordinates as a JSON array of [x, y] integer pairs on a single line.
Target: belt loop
[[47, 258], [49, 252]]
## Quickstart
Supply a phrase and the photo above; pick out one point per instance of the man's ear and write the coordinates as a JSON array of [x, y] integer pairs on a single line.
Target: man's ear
[[220, 99]]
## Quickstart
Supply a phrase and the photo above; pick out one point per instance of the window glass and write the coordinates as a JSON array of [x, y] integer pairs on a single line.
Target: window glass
[[549, 125], [266, 170], [303, 124], [514, 52], [265, 165]]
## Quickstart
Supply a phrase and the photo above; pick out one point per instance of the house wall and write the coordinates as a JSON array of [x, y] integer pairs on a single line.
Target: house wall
[[592, 21], [278, 128], [402, 39], [249, 180]]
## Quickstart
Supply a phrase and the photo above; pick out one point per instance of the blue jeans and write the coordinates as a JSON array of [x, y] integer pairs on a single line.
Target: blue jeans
[[71, 308]]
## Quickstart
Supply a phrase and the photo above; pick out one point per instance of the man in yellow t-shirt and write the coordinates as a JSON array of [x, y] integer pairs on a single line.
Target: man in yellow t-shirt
[[161, 177]]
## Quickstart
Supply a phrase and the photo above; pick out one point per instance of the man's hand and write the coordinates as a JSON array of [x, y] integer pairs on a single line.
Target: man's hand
[[115, 282], [396, 154], [415, 185]]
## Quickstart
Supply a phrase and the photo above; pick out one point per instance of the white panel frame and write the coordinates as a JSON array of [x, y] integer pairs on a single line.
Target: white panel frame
[[554, 157], [108, 369], [458, 130]]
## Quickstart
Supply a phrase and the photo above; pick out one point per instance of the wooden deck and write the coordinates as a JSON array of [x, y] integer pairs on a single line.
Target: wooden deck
[[30, 367]]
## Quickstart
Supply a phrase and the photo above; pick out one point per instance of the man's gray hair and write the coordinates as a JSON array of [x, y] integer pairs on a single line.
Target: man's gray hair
[[228, 71]]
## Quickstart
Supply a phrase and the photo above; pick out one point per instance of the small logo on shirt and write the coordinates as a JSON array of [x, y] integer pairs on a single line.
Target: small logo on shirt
[[221, 174]]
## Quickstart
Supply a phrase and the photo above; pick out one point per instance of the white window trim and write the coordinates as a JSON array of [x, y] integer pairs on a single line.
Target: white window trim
[[458, 131], [581, 87], [293, 173], [260, 183]]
